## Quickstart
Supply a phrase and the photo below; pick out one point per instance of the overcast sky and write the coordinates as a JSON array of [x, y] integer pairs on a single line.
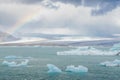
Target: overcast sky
[[82, 17]]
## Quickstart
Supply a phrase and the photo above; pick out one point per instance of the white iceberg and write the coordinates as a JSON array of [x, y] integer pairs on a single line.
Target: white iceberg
[[88, 50], [114, 63], [104, 63], [116, 47], [108, 63], [6, 63], [79, 69], [14, 64], [53, 69]]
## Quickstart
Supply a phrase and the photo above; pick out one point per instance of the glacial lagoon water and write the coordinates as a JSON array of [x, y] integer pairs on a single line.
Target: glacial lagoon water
[[39, 57]]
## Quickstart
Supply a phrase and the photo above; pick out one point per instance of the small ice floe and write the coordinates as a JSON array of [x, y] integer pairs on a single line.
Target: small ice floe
[[17, 57], [6, 63], [53, 69], [12, 57], [79, 69], [114, 63], [15, 64], [115, 47], [23, 63]]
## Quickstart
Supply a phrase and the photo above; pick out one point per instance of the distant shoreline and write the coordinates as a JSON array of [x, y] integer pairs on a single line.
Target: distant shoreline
[[63, 43]]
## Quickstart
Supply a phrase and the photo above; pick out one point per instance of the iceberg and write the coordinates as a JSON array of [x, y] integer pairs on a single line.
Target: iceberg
[[79, 69], [14, 64], [6, 63], [114, 63], [104, 63], [108, 63], [116, 47], [87, 50], [23, 63], [53, 69]]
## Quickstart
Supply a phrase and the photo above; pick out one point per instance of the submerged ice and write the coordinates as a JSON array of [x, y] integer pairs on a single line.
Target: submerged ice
[[114, 63], [23, 63], [53, 69], [79, 69], [89, 50]]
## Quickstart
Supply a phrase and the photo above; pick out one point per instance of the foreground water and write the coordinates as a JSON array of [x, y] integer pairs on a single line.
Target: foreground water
[[42, 56]]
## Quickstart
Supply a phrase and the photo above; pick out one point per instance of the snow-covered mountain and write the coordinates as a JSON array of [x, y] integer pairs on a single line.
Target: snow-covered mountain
[[5, 37]]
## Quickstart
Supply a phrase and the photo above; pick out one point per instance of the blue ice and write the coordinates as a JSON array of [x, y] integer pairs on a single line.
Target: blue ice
[[53, 69]]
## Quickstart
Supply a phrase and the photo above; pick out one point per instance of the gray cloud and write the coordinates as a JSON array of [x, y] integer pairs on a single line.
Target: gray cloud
[[21, 1], [105, 6], [69, 15], [6, 19]]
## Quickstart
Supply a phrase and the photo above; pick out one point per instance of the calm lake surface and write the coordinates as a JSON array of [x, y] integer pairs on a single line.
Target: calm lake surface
[[42, 56]]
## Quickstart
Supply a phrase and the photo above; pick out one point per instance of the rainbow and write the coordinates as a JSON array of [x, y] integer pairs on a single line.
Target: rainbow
[[24, 20]]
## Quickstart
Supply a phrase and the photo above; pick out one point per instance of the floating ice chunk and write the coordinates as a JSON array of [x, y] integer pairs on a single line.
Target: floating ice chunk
[[88, 50], [111, 63], [6, 63], [108, 64], [12, 57], [24, 63], [14, 64], [79, 69], [17, 57], [53, 69], [104, 63], [116, 61], [116, 47]]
